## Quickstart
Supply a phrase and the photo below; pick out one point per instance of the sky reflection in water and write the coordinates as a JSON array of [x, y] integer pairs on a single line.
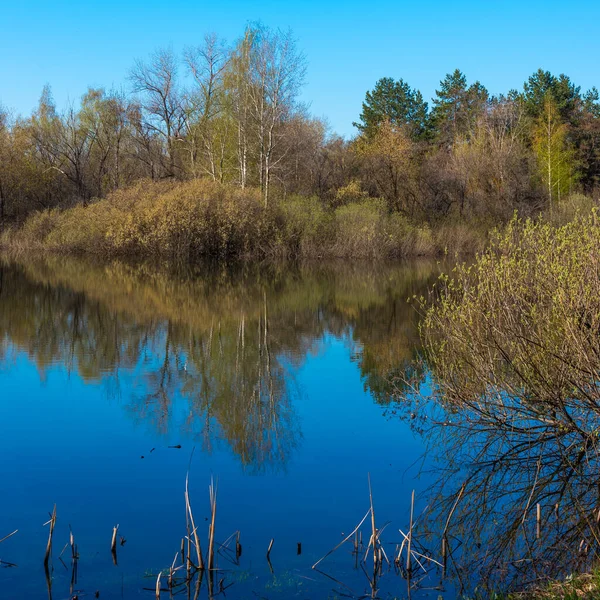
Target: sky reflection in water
[[277, 379]]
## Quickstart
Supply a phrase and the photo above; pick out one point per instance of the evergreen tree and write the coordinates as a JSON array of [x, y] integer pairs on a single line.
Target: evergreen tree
[[397, 103], [457, 106], [587, 140], [565, 95]]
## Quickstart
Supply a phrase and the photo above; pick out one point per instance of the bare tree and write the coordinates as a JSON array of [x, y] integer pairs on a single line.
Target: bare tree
[[156, 82], [205, 105], [278, 72]]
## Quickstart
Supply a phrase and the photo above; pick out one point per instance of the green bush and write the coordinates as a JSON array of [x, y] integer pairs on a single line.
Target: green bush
[[309, 226]]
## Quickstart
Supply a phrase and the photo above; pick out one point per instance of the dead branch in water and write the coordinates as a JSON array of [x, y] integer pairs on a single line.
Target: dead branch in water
[[9, 535], [52, 523], [211, 534], [344, 540], [194, 531], [113, 544]]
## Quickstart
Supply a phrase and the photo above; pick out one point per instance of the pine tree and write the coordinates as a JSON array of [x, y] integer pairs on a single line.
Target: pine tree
[[457, 106], [397, 103]]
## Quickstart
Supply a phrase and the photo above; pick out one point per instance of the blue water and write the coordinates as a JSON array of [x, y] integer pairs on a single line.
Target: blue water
[[95, 390]]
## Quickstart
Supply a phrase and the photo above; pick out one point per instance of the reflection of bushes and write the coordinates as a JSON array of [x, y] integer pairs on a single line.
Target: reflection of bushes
[[513, 344], [221, 342], [199, 219]]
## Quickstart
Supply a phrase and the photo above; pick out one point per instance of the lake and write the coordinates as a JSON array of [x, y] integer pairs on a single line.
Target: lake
[[278, 384]]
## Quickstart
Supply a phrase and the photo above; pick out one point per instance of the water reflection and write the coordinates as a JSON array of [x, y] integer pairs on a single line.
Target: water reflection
[[516, 495], [217, 348]]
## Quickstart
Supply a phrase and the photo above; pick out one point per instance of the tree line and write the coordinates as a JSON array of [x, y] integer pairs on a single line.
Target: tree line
[[474, 154], [231, 114], [228, 113]]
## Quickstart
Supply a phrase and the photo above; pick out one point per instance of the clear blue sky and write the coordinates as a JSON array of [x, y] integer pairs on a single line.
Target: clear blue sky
[[349, 45]]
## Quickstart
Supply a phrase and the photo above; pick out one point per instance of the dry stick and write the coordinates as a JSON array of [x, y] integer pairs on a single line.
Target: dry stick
[[269, 548], [445, 532], [188, 560], [198, 585], [238, 547], [194, 530], [408, 555], [172, 571], [113, 544], [374, 534], [72, 543], [48, 582], [211, 539], [539, 521], [63, 551], [158, 587], [269, 556], [344, 540], [9, 535], [414, 553], [52, 522], [444, 554]]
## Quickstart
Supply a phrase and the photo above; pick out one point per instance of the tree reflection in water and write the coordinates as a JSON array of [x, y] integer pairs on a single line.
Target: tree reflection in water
[[225, 344], [516, 499]]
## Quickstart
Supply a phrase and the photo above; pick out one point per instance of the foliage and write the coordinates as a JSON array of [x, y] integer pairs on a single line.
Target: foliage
[[457, 106], [349, 193], [201, 220], [231, 114], [513, 350], [555, 157], [397, 103]]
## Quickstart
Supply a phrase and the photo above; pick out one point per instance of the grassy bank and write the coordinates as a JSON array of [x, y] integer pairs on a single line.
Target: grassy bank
[[194, 220], [577, 587]]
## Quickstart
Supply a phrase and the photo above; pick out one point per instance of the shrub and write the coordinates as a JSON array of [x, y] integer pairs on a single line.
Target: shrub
[[309, 227], [513, 358], [201, 219], [360, 229], [348, 194]]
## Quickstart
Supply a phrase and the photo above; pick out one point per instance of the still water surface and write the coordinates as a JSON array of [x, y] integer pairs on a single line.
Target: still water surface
[[280, 381]]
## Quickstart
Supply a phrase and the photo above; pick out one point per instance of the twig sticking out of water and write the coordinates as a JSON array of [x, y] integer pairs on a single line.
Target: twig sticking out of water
[[211, 533], [445, 545], [410, 532], [113, 544], [9, 535], [269, 555], [373, 528], [344, 540], [158, 586], [194, 531], [238, 547], [52, 523], [74, 554], [172, 571]]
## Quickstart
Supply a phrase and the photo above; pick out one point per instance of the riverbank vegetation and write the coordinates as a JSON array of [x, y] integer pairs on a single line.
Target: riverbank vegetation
[[512, 345], [199, 219], [212, 152]]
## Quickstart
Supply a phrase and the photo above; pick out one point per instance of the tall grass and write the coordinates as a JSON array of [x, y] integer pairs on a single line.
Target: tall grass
[[194, 220]]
